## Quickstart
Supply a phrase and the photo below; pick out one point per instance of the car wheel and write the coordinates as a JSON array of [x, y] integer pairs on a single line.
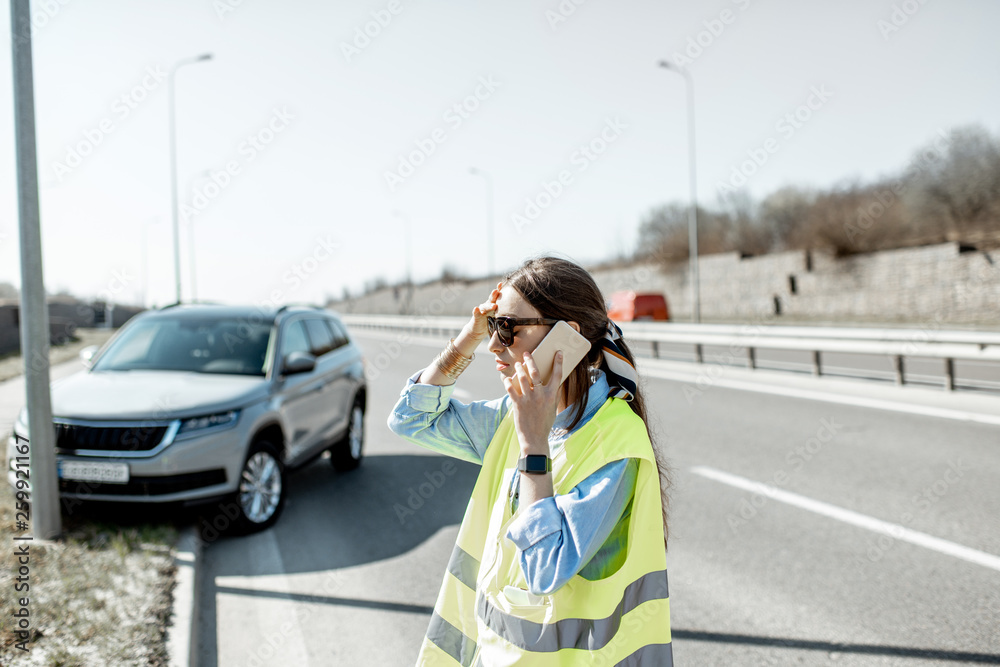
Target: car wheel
[[347, 454], [261, 493]]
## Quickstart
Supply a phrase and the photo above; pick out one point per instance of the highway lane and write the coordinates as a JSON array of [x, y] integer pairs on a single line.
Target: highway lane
[[348, 576]]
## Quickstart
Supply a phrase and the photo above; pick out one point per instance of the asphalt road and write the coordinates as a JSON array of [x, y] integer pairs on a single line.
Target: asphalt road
[[346, 578]]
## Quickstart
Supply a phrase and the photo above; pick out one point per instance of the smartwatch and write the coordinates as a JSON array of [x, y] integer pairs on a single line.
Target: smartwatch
[[535, 464]]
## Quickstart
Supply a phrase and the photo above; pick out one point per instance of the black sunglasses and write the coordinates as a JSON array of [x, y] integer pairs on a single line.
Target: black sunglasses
[[504, 326]]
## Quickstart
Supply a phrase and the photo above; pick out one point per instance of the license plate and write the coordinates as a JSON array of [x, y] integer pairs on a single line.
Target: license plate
[[86, 471]]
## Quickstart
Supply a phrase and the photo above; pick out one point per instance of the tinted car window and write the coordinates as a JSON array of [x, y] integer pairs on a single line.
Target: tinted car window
[[132, 349], [294, 339], [189, 343], [339, 335], [320, 335]]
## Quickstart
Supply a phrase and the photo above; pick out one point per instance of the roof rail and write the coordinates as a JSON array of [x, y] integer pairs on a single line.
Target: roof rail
[[286, 306], [192, 303]]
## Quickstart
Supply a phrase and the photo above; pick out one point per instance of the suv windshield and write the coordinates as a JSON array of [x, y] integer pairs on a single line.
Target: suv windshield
[[191, 343]]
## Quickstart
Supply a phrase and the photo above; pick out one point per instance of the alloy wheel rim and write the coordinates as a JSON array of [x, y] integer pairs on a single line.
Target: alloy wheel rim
[[260, 487], [357, 426]]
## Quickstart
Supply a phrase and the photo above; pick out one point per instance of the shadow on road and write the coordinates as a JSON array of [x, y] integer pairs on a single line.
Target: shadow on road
[[383, 509]]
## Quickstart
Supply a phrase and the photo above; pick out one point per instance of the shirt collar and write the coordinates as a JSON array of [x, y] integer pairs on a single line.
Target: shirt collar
[[596, 396]]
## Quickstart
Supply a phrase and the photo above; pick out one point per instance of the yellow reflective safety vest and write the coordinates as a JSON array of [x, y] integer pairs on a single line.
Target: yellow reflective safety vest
[[484, 613]]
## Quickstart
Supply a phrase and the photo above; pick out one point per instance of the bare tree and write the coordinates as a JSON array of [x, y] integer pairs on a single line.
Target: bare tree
[[663, 235], [954, 189], [376, 284], [784, 217], [949, 191], [746, 232], [450, 274], [8, 291]]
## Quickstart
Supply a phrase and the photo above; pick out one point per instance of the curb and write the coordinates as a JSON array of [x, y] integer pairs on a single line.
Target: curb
[[182, 634]]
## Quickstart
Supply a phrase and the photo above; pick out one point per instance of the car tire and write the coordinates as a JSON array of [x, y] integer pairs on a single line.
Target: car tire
[[260, 496], [347, 453]]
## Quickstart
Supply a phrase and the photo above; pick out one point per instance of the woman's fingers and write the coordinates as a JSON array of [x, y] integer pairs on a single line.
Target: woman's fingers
[[523, 381], [512, 388], [556, 377], [531, 368]]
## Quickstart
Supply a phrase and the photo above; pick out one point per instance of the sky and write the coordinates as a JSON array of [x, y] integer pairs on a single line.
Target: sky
[[320, 132]]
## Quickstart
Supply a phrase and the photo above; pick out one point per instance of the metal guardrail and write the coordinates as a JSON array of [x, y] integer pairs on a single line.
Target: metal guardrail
[[747, 339]]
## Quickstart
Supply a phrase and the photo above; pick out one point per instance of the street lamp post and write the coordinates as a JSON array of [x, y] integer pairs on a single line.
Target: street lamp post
[[489, 212], [173, 164], [45, 520], [693, 213]]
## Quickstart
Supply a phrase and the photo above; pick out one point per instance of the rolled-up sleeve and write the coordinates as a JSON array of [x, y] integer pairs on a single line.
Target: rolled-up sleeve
[[428, 416], [557, 536]]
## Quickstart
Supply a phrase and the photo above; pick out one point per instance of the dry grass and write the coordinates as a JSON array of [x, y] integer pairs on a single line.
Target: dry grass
[[100, 595]]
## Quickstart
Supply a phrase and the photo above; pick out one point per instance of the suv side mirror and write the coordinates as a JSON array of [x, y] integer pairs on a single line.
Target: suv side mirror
[[298, 362]]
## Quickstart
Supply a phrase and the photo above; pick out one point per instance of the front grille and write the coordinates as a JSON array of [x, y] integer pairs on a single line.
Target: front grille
[[147, 486], [73, 437]]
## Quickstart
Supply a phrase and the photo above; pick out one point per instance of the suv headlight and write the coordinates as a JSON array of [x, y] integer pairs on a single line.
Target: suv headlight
[[219, 420]]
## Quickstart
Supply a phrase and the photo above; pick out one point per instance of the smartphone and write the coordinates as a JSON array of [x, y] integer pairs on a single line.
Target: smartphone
[[563, 337]]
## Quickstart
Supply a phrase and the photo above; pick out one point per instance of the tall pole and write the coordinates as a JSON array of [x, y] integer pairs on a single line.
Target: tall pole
[[693, 212], [41, 474], [489, 213], [173, 164]]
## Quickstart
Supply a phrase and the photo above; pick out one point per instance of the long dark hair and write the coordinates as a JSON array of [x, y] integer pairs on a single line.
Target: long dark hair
[[561, 289]]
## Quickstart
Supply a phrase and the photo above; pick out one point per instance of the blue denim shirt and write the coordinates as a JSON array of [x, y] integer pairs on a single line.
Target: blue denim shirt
[[558, 537]]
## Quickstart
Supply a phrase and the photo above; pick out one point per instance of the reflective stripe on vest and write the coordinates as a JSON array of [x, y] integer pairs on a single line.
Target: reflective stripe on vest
[[623, 619], [581, 633], [650, 655]]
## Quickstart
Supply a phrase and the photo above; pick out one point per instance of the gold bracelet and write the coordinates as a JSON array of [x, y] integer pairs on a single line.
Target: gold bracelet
[[451, 362]]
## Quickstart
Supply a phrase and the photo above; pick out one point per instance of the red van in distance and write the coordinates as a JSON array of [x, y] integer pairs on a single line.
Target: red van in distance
[[628, 306]]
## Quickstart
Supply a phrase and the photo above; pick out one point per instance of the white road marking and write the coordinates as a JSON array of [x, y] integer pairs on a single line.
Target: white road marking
[[278, 631], [844, 399], [893, 530]]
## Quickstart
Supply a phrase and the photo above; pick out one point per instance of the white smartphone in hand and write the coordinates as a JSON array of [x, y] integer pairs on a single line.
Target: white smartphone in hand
[[562, 336]]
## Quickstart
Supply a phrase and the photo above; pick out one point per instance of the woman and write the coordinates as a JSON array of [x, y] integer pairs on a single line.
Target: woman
[[561, 556]]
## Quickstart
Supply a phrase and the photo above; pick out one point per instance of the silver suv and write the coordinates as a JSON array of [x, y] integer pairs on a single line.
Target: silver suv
[[200, 403]]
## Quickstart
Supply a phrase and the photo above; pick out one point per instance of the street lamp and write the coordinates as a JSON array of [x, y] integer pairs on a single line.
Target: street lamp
[[693, 213], [409, 258], [489, 212], [173, 164]]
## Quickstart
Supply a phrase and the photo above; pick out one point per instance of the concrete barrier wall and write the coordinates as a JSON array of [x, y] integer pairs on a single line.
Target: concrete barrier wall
[[66, 315], [944, 284], [122, 314], [9, 336]]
